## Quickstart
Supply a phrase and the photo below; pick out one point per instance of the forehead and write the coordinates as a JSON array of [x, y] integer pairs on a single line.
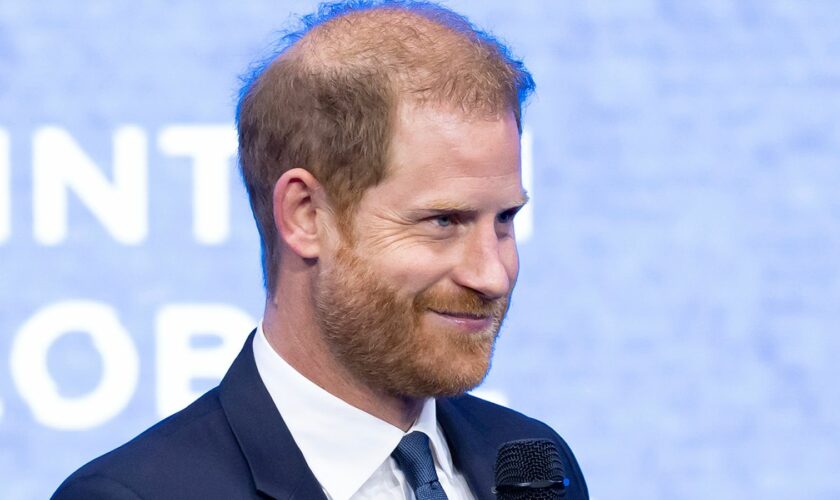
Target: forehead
[[439, 156]]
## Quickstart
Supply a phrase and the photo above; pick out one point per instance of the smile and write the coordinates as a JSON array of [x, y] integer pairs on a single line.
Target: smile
[[465, 321]]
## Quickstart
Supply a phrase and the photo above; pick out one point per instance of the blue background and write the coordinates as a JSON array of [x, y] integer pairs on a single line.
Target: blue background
[[674, 313]]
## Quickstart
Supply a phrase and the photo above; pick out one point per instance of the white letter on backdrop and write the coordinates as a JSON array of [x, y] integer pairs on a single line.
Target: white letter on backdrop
[[524, 221], [179, 362], [211, 148], [30, 373], [59, 165]]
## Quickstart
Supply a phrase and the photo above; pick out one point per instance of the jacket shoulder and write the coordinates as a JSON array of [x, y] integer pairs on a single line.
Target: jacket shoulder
[[191, 451]]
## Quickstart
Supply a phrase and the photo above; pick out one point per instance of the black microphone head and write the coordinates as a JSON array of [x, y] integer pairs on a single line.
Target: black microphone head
[[529, 469]]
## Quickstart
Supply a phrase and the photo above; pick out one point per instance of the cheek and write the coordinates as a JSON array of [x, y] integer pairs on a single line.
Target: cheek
[[413, 270]]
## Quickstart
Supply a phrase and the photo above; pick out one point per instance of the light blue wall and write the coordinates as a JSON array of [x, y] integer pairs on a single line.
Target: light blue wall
[[674, 313]]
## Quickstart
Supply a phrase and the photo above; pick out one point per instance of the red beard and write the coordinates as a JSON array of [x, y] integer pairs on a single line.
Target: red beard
[[384, 340]]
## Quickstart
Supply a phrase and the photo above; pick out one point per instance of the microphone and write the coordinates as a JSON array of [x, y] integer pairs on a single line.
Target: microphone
[[529, 469]]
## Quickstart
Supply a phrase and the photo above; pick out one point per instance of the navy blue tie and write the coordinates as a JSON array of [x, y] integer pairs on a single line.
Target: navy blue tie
[[414, 457]]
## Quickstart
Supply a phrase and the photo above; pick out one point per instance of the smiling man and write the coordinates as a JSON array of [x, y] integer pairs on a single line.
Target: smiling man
[[380, 150]]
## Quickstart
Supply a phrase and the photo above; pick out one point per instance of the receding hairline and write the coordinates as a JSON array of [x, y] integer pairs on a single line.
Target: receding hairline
[[328, 96], [412, 51], [349, 36]]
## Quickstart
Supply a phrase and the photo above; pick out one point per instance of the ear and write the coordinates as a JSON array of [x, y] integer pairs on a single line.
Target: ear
[[297, 195]]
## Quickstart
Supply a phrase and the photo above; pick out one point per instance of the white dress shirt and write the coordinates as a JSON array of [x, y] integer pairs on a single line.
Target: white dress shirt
[[347, 449]]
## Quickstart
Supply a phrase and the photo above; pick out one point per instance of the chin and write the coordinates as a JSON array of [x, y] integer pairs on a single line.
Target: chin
[[449, 374]]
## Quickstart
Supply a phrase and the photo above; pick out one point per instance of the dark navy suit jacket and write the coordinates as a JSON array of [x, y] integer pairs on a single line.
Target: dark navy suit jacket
[[232, 443]]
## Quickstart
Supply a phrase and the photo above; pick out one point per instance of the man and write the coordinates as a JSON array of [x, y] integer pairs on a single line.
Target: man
[[380, 150]]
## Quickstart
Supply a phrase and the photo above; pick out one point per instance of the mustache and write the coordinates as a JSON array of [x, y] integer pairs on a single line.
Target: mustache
[[462, 302]]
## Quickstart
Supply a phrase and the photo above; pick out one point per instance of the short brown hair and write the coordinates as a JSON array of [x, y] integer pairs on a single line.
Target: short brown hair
[[326, 100]]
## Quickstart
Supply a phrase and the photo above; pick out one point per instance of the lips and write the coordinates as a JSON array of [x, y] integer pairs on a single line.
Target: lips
[[462, 315], [466, 321]]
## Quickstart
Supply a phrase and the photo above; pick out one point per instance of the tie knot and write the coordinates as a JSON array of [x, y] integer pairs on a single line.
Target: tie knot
[[414, 457]]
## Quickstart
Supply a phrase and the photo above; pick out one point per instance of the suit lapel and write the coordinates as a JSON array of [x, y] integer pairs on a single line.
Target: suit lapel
[[472, 454], [277, 465]]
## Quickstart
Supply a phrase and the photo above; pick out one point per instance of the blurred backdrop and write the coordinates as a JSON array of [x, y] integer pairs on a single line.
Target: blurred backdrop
[[678, 307]]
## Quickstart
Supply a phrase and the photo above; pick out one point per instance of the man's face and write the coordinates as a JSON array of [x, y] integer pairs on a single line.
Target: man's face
[[412, 303]]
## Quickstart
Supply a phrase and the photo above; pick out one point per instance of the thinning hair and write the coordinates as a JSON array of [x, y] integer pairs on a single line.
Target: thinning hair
[[326, 98]]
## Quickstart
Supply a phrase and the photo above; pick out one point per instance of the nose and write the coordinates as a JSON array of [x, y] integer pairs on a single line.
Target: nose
[[488, 264]]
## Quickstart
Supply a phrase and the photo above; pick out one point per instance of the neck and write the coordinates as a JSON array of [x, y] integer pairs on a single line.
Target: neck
[[293, 334]]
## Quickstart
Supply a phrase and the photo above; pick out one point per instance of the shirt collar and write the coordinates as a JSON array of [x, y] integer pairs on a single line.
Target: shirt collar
[[427, 424], [342, 445]]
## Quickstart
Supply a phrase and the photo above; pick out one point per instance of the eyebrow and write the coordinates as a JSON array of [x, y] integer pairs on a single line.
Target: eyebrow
[[444, 206]]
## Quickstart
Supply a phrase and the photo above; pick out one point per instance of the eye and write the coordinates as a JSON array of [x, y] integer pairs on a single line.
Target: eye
[[507, 216], [444, 220]]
